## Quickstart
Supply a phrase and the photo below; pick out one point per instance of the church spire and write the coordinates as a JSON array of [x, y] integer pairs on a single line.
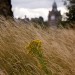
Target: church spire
[[54, 6], [54, 17]]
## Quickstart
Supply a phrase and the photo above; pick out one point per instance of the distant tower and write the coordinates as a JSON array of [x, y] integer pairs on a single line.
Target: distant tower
[[54, 16]]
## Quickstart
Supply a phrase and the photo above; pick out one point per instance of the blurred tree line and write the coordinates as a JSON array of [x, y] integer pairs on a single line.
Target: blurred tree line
[[40, 21]]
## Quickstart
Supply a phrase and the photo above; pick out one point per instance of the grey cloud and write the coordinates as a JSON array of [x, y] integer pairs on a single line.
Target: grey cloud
[[35, 3], [34, 8]]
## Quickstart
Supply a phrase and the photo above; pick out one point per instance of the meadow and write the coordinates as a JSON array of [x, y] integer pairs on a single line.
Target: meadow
[[58, 49]]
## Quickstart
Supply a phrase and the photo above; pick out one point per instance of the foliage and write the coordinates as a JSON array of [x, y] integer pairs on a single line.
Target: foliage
[[36, 50], [71, 13], [39, 21], [5, 8], [35, 47]]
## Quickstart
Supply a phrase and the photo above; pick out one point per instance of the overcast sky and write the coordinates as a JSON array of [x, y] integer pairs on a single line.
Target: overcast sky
[[35, 8]]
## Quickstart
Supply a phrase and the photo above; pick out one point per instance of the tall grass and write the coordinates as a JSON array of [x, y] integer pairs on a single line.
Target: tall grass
[[58, 49]]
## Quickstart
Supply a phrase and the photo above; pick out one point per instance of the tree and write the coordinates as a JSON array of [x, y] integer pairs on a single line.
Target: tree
[[5, 8], [40, 20], [71, 13]]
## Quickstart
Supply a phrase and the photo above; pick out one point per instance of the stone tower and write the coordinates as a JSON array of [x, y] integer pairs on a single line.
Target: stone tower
[[5, 8], [54, 16]]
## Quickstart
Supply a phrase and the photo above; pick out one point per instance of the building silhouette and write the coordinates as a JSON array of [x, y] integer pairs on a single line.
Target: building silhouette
[[54, 16]]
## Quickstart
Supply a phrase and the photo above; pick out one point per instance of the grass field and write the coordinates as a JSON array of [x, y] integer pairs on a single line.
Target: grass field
[[58, 46]]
